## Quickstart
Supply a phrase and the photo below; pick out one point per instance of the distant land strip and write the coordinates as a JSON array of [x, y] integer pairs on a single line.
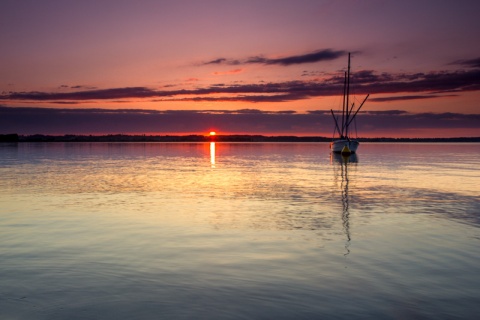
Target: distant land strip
[[202, 138]]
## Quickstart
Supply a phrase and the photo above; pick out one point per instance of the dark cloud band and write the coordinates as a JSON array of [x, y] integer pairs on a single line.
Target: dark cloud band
[[106, 121], [366, 81]]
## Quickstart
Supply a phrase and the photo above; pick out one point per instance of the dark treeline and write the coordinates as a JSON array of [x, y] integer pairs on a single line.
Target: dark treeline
[[202, 138]]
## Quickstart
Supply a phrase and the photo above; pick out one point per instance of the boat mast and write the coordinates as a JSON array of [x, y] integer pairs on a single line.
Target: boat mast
[[347, 114]]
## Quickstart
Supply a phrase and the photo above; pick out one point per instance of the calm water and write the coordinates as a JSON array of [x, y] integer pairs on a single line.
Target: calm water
[[239, 231]]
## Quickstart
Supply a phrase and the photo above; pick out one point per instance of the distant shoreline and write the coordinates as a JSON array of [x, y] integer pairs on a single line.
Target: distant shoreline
[[203, 138]]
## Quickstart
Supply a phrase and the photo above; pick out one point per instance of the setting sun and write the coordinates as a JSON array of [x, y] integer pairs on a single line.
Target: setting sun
[[212, 133]]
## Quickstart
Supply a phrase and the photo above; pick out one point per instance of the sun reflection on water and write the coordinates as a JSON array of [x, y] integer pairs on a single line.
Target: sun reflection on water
[[212, 154]]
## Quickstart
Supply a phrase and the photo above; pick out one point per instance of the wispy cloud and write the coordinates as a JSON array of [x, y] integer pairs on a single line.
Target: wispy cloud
[[77, 87], [410, 97], [320, 55], [223, 61], [470, 63], [221, 73], [100, 94], [316, 56]]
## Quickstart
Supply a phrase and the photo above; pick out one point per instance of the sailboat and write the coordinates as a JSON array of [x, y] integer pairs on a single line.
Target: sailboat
[[344, 144]]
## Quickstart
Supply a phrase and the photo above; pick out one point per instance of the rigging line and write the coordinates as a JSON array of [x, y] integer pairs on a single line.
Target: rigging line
[[336, 122], [360, 107]]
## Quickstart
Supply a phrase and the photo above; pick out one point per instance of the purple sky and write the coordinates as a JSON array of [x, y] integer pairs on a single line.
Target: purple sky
[[253, 67]]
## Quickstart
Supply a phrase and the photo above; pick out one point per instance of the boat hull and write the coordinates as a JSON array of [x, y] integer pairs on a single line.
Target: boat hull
[[338, 146]]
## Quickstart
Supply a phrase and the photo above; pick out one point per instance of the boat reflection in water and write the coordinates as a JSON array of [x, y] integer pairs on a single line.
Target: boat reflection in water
[[344, 162]]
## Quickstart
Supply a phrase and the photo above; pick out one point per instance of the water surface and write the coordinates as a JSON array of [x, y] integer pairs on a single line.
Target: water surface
[[239, 231]]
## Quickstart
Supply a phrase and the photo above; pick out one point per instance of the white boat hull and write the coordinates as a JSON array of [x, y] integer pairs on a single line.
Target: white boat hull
[[338, 145]]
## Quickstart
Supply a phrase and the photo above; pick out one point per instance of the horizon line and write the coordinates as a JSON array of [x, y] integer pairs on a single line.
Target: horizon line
[[117, 137]]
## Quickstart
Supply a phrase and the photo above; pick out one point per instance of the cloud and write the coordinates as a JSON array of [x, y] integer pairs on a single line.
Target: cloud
[[386, 112], [100, 94], [25, 120], [365, 81], [320, 55], [66, 102], [410, 97], [84, 87], [316, 56], [64, 86], [221, 73], [285, 91], [409, 121], [472, 63], [222, 61]]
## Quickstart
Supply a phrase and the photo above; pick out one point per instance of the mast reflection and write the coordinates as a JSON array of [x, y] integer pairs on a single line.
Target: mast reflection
[[345, 162]]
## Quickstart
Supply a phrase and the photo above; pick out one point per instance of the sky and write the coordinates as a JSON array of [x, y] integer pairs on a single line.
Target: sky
[[271, 67]]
